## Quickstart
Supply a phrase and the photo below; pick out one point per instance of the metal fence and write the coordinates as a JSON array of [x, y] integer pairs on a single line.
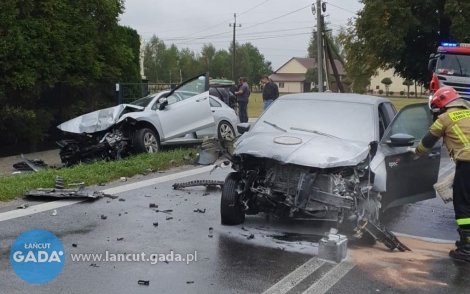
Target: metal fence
[[129, 92]]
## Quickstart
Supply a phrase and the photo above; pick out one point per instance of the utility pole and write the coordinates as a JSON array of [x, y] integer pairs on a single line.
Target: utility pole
[[318, 7], [234, 59]]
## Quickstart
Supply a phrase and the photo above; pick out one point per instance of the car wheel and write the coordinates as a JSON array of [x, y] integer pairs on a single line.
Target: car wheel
[[231, 211], [225, 131], [146, 141]]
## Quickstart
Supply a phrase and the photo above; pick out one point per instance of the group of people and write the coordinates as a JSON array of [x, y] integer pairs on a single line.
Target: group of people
[[242, 94]]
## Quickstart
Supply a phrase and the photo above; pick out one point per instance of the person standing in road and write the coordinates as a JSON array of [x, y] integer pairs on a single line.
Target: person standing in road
[[242, 98], [453, 125], [270, 92]]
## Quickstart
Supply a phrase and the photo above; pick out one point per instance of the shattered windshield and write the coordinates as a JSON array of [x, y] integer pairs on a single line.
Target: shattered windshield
[[453, 64], [144, 102], [345, 120]]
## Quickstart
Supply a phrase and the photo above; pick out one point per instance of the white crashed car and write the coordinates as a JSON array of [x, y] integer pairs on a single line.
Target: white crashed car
[[184, 115]]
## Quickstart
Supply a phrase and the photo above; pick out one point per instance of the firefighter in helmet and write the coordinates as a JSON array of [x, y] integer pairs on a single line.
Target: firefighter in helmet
[[452, 123]]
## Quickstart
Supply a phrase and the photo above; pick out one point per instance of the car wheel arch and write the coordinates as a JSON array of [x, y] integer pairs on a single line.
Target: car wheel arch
[[145, 124], [227, 122]]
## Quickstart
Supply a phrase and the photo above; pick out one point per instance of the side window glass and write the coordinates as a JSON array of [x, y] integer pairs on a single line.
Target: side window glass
[[413, 120], [214, 103]]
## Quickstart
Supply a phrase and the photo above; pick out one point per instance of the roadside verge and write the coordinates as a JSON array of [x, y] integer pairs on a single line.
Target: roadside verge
[[95, 173]]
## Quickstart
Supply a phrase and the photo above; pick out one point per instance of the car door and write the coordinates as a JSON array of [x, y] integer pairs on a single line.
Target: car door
[[409, 180], [186, 109], [215, 111]]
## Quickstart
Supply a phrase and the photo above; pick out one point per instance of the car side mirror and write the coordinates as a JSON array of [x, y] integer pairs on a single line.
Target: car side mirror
[[163, 103], [243, 127], [401, 140]]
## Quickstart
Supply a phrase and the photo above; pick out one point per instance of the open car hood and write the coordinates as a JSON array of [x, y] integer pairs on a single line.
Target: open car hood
[[303, 149], [97, 121]]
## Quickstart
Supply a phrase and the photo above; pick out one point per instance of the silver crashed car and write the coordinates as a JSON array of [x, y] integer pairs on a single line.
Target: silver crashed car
[[333, 157], [183, 115]]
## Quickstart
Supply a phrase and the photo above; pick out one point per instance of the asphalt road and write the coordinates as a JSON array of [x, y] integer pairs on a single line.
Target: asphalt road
[[281, 258]]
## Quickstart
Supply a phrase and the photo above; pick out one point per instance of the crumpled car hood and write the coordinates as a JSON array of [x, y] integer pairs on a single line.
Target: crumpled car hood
[[314, 150], [96, 121]]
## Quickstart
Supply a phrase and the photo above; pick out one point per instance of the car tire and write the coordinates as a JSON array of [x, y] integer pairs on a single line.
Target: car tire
[[231, 211], [146, 141], [224, 129]]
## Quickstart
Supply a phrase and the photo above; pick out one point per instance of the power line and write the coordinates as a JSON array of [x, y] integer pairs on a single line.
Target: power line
[[251, 38], [278, 17], [253, 8], [341, 8], [206, 29]]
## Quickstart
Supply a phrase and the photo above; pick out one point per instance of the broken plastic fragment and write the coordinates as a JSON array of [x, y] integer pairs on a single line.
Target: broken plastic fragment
[[211, 230], [123, 179], [200, 211], [142, 282], [152, 204], [155, 224], [74, 245], [120, 239], [103, 216], [169, 217], [23, 206], [54, 213]]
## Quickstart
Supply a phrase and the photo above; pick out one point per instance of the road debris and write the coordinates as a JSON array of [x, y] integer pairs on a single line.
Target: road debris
[[251, 236], [54, 213], [206, 194], [189, 282], [152, 204], [142, 282], [120, 239], [224, 164], [103, 216], [23, 206], [211, 231], [196, 183], [243, 228], [169, 217], [30, 165], [165, 211], [101, 184], [94, 265], [59, 191], [122, 199], [74, 245], [123, 179], [200, 211], [333, 246], [155, 224]]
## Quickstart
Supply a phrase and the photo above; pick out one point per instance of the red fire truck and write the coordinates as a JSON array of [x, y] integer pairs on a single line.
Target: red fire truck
[[450, 66]]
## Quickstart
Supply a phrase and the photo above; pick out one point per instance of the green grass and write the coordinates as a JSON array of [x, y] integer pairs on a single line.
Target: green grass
[[255, 106], [92, 174]]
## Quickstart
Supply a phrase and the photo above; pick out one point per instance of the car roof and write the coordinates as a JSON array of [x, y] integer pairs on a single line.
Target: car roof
[[339, 97]]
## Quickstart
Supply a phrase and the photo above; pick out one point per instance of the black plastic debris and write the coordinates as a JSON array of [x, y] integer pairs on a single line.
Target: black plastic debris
[[155, 224], [165, 211], [74, 245], [243, 228], [189, 282], [206, 194], [111, 196], [120, 239], [30, 165], [169, 217], [101, 184], [211, 230], [94, 265], [142, 282], [251, 236], [200, 211], [103, 216], [152, 204], [196, 183], [122, 199]]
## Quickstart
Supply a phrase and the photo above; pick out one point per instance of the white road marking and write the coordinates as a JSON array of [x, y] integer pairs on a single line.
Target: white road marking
[[446, 168], [124, 188], [331, 278], [295, 277]]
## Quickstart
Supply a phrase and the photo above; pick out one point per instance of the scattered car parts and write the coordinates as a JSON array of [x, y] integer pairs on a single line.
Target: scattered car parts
[[196, 183]]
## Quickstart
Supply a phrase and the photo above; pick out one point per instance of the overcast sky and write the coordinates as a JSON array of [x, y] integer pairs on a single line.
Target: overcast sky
[[189, 23]]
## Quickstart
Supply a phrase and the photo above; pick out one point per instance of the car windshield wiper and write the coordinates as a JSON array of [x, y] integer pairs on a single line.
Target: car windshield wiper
[[274, 125], [315, 132]]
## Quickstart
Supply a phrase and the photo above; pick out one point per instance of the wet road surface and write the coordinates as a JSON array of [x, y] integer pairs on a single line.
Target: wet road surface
[[260, 256]]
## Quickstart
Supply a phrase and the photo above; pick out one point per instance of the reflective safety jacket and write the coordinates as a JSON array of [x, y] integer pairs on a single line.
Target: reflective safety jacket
[[454, 127]]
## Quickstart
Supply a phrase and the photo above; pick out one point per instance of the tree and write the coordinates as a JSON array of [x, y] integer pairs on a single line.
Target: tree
[[408, 83], [401, 35], [387, 82], [360, 64], [59, 46]]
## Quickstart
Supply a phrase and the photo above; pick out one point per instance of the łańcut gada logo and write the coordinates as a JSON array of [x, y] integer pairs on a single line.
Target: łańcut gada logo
[[37, 256]]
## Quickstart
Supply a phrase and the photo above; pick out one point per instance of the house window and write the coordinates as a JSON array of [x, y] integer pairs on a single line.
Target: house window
[[281, 85], [377, 87]]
